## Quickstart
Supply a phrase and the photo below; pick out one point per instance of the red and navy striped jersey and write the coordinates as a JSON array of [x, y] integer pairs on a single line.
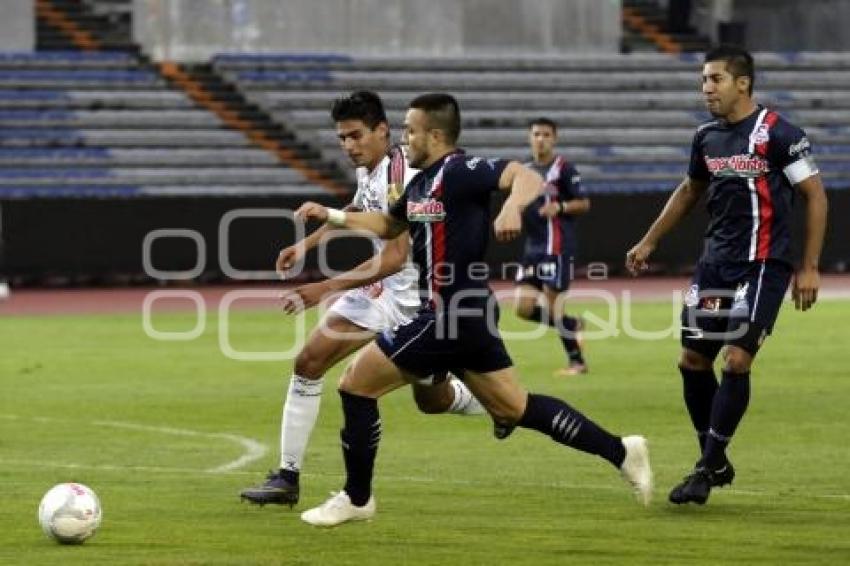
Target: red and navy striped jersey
[[447, 208], [552, 236], [752, 167]]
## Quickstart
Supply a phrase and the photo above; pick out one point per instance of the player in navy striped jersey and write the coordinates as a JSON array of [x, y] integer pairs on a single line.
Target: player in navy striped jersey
[[752, 163], [550, 243], [446, 210]]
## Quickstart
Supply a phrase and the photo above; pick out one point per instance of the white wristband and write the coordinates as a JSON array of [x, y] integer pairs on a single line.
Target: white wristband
[[336, 217]]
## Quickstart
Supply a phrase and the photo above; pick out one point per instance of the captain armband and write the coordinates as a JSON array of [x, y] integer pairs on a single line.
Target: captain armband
[[801, 170]]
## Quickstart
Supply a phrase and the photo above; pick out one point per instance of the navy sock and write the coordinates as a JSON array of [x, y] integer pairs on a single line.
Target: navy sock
[[568, 426], [699, 388], [567, 333], [566, 329], [360, 437], [730, 404]]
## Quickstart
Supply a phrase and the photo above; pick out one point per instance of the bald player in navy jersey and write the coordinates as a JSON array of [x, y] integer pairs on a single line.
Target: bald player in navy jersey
[[752, 163], [446, 210]]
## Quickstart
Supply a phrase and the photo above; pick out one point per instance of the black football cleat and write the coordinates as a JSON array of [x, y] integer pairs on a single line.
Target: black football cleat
[[276, 489], [723, 476], [696, 487]]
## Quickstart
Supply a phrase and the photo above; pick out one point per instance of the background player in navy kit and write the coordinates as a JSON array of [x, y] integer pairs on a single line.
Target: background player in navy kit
[[752, 162], [550, 243], [446, 210]]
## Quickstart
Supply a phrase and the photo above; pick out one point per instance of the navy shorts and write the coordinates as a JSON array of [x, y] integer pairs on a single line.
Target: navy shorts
[[733, 303], [437, 342], [554, 271]]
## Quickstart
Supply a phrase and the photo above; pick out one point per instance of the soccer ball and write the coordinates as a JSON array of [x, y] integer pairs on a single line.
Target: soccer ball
[[69, 513]]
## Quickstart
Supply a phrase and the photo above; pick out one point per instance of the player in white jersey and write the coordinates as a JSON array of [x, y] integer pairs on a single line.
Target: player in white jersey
[[381, 294]]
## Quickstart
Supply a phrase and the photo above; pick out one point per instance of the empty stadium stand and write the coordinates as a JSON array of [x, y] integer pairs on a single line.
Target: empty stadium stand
[[100, 146], [106, 124], [626, 120]]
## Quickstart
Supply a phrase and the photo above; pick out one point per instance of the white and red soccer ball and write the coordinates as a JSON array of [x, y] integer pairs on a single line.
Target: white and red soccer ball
[[70, 513]]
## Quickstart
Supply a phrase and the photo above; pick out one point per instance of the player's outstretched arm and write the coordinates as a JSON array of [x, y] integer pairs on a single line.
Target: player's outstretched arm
[[525, 185], [680, 203], [391, 259], [382, 225], [290, 255], [807, 279]]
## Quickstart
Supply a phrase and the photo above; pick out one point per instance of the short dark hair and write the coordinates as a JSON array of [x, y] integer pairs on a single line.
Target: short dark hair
[[443, 113], [543, 121], [363, 105], [738, 60]]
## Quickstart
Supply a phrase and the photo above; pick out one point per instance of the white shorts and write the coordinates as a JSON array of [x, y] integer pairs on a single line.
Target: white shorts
[[386, 311]]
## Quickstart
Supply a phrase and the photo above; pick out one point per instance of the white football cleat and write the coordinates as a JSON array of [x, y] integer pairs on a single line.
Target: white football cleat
[[338, 509], [636, 469]]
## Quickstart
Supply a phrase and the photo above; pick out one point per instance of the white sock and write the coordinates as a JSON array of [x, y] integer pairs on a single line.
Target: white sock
[[464, 402], [299, 418]]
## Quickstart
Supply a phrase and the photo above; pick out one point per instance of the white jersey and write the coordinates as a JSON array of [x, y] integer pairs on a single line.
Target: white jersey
[[374, 194]]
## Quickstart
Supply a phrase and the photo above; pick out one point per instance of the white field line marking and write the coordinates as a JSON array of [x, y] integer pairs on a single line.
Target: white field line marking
[[406, 479], [252, 449]]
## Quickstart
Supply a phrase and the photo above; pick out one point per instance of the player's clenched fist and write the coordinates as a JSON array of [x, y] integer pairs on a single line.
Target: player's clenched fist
[[312, 211], [508, 224], [288, 257], [637, 256]]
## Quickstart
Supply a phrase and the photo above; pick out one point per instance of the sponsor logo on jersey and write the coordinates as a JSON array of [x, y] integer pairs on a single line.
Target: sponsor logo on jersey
[[741, 165], [801, 146], [429, 210], [473, 162], [761, 135]]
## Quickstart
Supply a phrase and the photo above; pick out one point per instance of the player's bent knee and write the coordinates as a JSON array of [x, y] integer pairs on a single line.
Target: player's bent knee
[[695, 361], [308, 365], [523, 311], [737, 360]]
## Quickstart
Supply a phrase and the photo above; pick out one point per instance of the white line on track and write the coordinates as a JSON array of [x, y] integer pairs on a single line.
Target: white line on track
[[252, 449]]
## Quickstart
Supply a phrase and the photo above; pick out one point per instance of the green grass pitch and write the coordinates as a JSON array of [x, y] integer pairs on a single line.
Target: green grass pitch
[[145, 423]]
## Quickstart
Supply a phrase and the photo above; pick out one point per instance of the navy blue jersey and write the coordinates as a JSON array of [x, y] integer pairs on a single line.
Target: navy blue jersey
[[751, 167], [552, 236], [447, 207]]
